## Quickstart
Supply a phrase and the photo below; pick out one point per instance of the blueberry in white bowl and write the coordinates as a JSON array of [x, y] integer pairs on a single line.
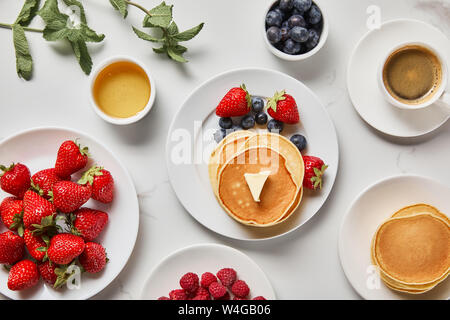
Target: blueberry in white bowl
[[295, 29]]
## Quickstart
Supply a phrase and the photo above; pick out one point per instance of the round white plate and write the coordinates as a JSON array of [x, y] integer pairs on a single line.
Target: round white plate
[[362, 79], [370, 209], [189, 145], [37, 148], [205, 258]]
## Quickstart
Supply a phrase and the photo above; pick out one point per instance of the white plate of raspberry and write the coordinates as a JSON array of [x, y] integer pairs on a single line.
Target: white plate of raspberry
[[37, 149], [190, 143], [208, 258]]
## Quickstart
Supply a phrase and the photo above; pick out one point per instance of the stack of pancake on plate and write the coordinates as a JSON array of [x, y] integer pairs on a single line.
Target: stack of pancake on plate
[[272, 161], [412, 249]]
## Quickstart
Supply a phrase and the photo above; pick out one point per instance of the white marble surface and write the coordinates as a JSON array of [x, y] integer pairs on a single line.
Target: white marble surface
[[303, 265]]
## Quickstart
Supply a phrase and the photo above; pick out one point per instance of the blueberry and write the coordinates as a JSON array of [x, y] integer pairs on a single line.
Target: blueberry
[[286, 5], [302, 5], [261, 118], [274, 35], [285, 24], [225, 123], [257, 104], [299, 34], [234, 128], [296, 21], [280, 12], [313, 39], [284, 34], [299, 141], [314, 15], [296, 12], [274, 18], [291, 47], [248, 122], [275, 126], [219, 135]]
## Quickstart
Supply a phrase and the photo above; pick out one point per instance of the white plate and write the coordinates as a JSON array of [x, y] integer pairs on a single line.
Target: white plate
[[37, 148], [370, 209], [205, 258], [362, 79], [196, 120]]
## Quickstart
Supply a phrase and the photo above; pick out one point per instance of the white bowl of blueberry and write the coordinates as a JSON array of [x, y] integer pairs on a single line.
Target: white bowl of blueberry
[[295, 29]]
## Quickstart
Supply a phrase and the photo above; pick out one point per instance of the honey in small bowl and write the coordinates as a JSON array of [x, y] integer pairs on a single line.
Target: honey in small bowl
[[122, 89]]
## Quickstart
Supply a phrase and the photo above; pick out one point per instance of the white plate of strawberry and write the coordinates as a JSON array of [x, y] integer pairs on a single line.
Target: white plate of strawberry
[[250, 99], [64, 199]]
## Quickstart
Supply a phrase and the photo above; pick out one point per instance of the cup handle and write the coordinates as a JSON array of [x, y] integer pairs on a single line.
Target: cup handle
[[444, 102]]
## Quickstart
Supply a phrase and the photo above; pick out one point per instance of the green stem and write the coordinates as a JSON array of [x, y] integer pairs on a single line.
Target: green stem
[[9, 26], [138, 6]]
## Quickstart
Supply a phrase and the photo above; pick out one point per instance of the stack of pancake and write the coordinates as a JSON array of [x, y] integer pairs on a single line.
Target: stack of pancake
[[412, 249], [246, 152]]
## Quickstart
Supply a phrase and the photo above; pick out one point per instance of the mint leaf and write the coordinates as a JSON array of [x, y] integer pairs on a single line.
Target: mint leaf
[[28, 12], [58, 27], [24, 62], [78, 4], [173, 28], [188, 34], [121, 6], [163, 49], [146, 36], [171, 51], [161, 16]]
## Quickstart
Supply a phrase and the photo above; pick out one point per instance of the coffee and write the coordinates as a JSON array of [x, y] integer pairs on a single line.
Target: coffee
[[412, 74]]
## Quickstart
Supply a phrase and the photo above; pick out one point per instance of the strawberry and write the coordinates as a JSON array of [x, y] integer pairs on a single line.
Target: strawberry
[[102, 184], [23, 275], [314, 170], [70, 159], [44, 180], [35, 244], [93, 259], [237, 102], [11, 211], [36, 208], [15, 179], [65, 247], [68, 196], [11, 248], [47, 272], [88, 223], [282, 107]]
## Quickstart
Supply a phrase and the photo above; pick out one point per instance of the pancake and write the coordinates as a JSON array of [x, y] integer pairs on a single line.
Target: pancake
[[420, 208], [413, 250], [226, 148], [277, 197]]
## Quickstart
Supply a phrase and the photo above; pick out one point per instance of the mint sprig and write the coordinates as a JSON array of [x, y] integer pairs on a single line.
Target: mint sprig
[[58, 27], [160, 17]]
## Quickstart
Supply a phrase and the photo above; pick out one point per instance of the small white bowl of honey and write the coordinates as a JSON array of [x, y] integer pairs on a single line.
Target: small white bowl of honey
[[122, 90]]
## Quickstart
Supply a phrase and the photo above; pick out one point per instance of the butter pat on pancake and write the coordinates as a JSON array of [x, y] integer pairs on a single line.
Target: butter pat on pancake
[[277, 196]]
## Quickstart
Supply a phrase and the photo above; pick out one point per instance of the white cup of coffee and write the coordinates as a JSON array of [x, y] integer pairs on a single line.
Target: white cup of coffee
[[414, 76]]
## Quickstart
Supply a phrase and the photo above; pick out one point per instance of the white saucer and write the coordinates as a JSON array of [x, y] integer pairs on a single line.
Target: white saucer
[[373, 206], [205, 258], [362, 79]]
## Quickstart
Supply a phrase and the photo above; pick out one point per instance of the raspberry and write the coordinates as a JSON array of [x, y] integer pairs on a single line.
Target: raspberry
[[237, 298], [227, 276], [225, 297], [163, 298], [189, 282], [201, 294], [178, 294], [207, 279], [217, 290], [240, 289], [259, 298]]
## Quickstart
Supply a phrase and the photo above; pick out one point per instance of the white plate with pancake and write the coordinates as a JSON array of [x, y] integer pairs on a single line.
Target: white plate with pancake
[[362, 79], [189, 146], [202, 258], [370, 209], [37, 149]]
